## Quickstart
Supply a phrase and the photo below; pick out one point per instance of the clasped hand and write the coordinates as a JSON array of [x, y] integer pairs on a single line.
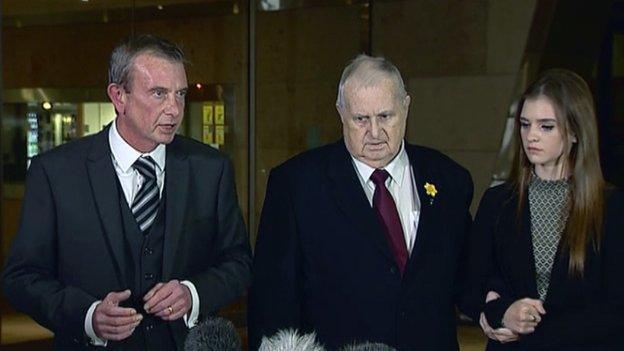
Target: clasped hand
[[169, 301], [524, 315], [502, 335], [520, 318]]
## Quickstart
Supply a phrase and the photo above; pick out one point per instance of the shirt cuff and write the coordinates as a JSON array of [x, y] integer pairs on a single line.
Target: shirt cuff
[[190, 319], [88, 326]]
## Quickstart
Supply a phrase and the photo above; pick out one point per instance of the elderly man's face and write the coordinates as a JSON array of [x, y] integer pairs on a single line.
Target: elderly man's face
[[151, 109], [373, 122]]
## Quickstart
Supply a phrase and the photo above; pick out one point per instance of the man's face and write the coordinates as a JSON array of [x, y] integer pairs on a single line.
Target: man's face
[[151, 108], [373, 122]]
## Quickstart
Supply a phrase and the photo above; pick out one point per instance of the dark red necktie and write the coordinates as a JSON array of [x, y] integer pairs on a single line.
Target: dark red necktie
[[386, 210]]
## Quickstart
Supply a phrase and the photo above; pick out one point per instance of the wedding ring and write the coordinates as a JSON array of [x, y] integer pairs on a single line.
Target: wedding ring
[[170, 310]]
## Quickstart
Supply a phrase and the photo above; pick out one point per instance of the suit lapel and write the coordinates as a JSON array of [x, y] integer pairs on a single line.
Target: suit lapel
[[102, 178], [428, 222], [558, 274], [176, 192], [527, 248], [351, 199], [518, 252]]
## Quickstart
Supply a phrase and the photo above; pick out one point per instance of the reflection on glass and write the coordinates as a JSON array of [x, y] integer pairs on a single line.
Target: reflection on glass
[[69, 71], [33, 135], [96, 115]]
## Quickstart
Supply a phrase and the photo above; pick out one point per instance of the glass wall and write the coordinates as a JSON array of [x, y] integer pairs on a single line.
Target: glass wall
[[54, 74], [263, 78]]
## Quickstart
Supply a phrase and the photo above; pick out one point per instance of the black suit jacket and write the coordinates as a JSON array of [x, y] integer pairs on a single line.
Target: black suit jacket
[[581, 313], [69, 250], [322, 262]]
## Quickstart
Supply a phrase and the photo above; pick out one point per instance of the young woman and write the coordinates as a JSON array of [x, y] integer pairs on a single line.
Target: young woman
[[546, 265]]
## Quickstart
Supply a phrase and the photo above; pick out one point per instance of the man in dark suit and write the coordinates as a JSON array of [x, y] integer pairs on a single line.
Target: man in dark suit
[[131, 235], [360, 240]]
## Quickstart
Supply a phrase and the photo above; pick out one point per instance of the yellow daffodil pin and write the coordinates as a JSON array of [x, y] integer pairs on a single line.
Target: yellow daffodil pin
[[431, 189]]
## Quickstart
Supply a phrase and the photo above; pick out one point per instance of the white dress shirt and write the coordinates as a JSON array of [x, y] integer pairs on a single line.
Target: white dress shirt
[[123, 157], [402, 187]]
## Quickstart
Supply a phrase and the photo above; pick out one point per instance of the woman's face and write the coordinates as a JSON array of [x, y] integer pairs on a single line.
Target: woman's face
[[542, 138]]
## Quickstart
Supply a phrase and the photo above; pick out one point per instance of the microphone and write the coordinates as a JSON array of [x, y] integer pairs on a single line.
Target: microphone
[[213, 334], [290, 340], [368, 346]]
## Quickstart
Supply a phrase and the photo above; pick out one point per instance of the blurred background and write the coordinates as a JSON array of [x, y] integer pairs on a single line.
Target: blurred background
[[263, 78]]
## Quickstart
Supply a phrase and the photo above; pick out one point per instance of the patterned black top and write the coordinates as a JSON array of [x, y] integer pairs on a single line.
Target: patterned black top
[[548, 201]]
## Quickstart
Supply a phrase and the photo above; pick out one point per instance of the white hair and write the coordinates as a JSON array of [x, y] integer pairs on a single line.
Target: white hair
[[290, 340], [369, 71]]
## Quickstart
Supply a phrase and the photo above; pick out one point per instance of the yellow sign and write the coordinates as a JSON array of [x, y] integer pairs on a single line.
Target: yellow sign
[[207, 112], [208, 135], [220, 135], [219, 110]]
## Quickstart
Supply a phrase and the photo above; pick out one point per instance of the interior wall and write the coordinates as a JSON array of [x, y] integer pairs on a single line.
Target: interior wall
[[461, 61], [300, 56]]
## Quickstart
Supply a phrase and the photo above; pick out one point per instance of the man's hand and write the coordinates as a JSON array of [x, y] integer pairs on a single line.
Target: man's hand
[[523, 315], [502, 335], [169, 301], [111, 322]]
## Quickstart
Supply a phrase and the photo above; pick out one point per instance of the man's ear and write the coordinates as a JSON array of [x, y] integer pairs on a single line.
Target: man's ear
[[340, 112], [117, 95], [406, 102]]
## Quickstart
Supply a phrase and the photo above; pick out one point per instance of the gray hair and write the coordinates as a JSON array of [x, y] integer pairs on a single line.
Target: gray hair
[[369, 71], [122, 58]]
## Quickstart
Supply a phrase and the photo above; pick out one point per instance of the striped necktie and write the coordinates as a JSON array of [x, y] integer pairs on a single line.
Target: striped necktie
[[146, 200]]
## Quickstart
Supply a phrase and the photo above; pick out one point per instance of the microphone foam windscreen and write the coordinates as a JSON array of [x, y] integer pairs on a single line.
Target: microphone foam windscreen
[[290, 340], [368, 346], [214, 334]]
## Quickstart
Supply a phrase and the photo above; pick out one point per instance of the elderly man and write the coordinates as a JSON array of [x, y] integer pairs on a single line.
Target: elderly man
[[360, 240], [130, 235]]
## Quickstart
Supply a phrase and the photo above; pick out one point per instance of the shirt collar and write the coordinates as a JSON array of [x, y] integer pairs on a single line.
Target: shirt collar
[[125, 155], [396, 167]]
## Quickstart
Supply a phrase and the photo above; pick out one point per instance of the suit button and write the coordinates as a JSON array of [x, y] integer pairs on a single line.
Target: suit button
[[149, 276], [148, 251], [393, 270], [403, 314], [149, 327]]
